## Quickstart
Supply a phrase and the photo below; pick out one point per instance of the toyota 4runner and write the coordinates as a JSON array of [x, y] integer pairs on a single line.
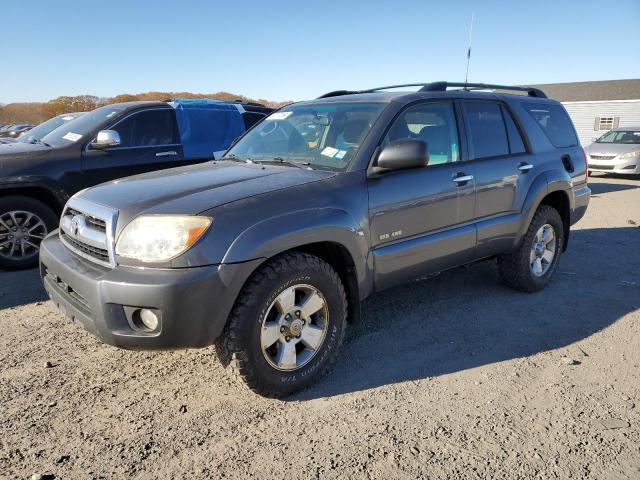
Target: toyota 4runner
[[268, 252]]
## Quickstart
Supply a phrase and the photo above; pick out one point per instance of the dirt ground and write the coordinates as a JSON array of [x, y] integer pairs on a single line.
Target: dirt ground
[[452, 377]]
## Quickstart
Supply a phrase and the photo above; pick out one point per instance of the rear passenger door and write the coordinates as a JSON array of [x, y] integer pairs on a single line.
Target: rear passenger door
[[420, 219], [149, 141], [503, 172]]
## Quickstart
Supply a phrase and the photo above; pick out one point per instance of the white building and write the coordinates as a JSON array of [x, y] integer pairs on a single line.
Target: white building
[[597, 107]]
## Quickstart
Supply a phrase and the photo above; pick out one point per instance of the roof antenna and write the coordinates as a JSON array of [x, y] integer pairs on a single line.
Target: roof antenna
[[466, 75]]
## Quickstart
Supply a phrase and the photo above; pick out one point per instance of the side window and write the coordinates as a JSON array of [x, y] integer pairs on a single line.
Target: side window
[[554, 122], [433, 122], [516, 145], [148, 128], [251, 118], [488, 135]]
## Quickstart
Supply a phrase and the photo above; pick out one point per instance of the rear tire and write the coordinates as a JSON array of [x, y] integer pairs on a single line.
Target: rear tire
[[532, 265], [286, 326], [24, 222]]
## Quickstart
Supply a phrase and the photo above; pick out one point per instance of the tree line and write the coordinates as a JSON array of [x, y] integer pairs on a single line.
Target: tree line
[[37, 112]]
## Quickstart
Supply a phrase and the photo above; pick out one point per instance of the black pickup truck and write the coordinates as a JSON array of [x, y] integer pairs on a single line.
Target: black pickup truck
[[114, 141], [269, 251]]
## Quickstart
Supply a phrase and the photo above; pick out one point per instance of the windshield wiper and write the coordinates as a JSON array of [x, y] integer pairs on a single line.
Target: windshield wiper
[[235, 158], [33, 141], [286, 162]]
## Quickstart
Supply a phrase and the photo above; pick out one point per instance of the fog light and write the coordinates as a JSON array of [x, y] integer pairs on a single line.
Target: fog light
[[149, 319]]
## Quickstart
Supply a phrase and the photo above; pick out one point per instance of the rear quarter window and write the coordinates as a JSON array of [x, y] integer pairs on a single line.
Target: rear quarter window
[[554, 122]]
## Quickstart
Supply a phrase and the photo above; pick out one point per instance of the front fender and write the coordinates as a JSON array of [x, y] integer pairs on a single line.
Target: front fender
[[292, 230], [14, 184]]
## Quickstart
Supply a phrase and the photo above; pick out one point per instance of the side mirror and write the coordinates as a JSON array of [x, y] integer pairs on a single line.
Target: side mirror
[[403, 154], [106, 139]]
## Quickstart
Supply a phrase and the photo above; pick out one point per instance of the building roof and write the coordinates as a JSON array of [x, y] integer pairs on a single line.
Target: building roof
[[593, 91]]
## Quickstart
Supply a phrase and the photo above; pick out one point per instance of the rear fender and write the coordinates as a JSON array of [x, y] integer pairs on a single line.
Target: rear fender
[[543, 185]]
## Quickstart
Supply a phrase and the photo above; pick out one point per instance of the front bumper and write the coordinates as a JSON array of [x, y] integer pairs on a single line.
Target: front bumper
[[193, 303], [629, 166]]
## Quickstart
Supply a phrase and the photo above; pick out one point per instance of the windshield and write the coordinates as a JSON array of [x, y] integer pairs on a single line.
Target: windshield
[[620, 136], [44, 128], [323, 135], [78, 128]]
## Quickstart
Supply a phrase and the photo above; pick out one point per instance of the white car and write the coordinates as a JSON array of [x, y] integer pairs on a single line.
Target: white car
[[617, 151]]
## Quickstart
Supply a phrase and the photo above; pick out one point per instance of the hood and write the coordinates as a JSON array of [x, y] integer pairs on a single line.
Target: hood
[[19, 150], [607, 149], [196, 188]]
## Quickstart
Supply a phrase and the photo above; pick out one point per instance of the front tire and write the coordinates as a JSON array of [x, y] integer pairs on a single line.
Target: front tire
[[24, 222], [532, 265], [287, 325]]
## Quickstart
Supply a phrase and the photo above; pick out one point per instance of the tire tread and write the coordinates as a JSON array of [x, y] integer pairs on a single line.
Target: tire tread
[[513, 267], [230, 348]]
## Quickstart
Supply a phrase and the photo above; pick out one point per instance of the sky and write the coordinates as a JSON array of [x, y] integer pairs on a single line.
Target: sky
[[294, 50]]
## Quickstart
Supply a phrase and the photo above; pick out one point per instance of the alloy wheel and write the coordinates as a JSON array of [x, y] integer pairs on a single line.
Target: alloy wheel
[[294, 327], [543, 250], [20, 234]]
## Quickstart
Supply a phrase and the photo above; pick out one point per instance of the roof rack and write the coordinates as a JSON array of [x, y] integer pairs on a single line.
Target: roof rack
[[442, 87], [338, 93]]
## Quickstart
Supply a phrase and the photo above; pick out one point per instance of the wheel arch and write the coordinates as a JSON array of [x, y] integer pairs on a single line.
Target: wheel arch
[[36, 192], [553, 189], [559, 200], [329, 234]]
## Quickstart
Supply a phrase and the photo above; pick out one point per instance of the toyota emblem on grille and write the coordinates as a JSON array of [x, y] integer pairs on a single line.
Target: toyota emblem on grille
[[76, 222]]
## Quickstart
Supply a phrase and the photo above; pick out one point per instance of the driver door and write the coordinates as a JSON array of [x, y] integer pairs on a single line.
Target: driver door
[[420, 219], [149, 141]]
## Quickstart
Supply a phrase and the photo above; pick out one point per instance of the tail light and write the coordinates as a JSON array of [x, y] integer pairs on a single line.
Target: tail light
[[586, 166]]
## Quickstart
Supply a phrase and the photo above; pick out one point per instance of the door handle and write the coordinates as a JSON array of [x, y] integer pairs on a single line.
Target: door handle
[[171, 153], [461, 179], [524, 167]]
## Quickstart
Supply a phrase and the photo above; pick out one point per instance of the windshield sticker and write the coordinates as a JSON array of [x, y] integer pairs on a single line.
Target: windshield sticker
[[340, 155], [72, 137], [278, 116], [329, 152], [66, 119]]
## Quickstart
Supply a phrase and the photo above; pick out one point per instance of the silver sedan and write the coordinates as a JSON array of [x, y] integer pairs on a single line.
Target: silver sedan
[[617, 151]]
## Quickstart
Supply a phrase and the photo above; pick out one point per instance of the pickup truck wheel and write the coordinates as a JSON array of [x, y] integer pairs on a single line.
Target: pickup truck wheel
[[24, 222], [286, 326], [531, 266]]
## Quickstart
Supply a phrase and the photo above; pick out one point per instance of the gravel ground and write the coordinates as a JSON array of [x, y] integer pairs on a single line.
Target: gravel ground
[[452, 377]]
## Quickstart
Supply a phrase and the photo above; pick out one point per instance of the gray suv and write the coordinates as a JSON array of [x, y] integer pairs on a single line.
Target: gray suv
[[268, 252]]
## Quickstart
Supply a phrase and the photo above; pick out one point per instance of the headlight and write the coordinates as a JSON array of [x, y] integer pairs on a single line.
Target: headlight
[[631, 154], [157, 238]]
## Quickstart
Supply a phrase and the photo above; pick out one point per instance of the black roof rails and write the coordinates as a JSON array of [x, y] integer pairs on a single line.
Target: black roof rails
[[442, 87], [338, 93]]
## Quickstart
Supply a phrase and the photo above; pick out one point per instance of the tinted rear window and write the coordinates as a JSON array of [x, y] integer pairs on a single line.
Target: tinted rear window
[[555, 123], [488, 133]]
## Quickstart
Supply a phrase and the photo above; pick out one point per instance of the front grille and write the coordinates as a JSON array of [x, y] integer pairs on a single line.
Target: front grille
[[602, 157], [96, 223], [68, 291], [98, 253], [87, 229]]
